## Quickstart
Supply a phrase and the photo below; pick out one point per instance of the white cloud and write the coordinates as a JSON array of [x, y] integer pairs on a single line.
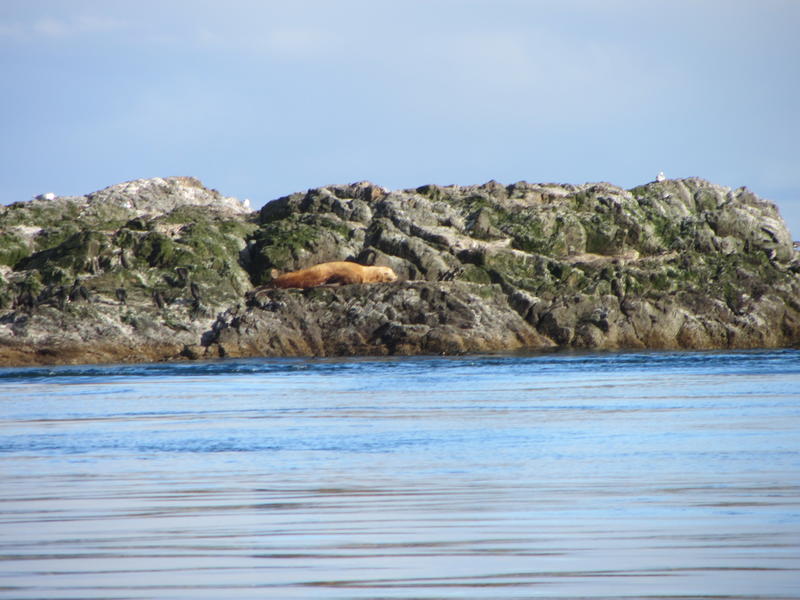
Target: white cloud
[[49, 27], [60, 28], [525, 74], [300, 42], [288, 42], [80, 25]]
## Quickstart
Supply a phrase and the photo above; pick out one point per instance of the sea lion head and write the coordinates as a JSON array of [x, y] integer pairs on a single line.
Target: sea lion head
[[384, 274]]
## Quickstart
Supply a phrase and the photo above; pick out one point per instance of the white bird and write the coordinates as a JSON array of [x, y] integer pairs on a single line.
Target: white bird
[[661, 177]]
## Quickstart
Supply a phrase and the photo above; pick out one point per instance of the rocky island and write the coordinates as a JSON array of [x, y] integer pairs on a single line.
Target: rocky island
[[166, 269]]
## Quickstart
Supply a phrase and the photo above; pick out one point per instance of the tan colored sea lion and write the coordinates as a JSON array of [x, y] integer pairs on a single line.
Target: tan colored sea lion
[[340, 272]]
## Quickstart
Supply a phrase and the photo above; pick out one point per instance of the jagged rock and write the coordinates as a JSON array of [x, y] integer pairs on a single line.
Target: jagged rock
[[407, 318], [159, 196], [166, 269]]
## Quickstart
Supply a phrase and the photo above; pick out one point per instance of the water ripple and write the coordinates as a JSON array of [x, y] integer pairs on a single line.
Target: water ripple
[[631, 475]]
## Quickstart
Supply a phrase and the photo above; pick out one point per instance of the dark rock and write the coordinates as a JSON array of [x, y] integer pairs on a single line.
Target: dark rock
[[166, 269], [406, 318]]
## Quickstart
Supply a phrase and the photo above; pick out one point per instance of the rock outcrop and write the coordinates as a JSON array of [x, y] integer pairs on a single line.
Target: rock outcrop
[[165, 269]]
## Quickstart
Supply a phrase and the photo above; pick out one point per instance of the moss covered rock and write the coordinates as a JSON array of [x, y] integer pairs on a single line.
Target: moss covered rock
[[165, 268], [146, 264]]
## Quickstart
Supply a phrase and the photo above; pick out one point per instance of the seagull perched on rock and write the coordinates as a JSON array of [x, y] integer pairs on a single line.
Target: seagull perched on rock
[[661, 177]]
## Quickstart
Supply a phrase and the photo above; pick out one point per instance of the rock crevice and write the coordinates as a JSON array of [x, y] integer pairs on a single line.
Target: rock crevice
[[166, 269]]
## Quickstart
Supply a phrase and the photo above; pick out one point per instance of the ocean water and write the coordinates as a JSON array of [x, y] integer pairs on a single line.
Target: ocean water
[[618, 475]]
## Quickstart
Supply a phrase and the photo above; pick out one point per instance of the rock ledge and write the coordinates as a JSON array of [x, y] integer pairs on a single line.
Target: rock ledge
[[165, 269]]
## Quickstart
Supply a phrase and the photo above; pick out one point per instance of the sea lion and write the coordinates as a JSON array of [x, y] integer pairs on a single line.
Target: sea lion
[[341, 272]]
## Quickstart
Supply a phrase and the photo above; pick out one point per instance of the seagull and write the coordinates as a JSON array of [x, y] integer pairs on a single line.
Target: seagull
[[661, 177]]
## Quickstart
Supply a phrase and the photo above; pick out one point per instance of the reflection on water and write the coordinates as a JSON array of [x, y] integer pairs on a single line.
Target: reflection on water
[[663, 475]]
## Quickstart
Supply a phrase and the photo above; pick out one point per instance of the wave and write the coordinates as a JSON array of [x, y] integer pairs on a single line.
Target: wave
[[750, 361]]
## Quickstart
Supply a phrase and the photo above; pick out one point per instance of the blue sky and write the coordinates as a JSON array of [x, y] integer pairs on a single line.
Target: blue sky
[[263, 98]]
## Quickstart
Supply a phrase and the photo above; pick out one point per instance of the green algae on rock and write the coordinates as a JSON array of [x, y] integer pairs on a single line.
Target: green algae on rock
[[165, 268]]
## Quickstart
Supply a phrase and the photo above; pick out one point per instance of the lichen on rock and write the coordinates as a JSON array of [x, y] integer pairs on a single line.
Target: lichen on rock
[[165, 268]]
